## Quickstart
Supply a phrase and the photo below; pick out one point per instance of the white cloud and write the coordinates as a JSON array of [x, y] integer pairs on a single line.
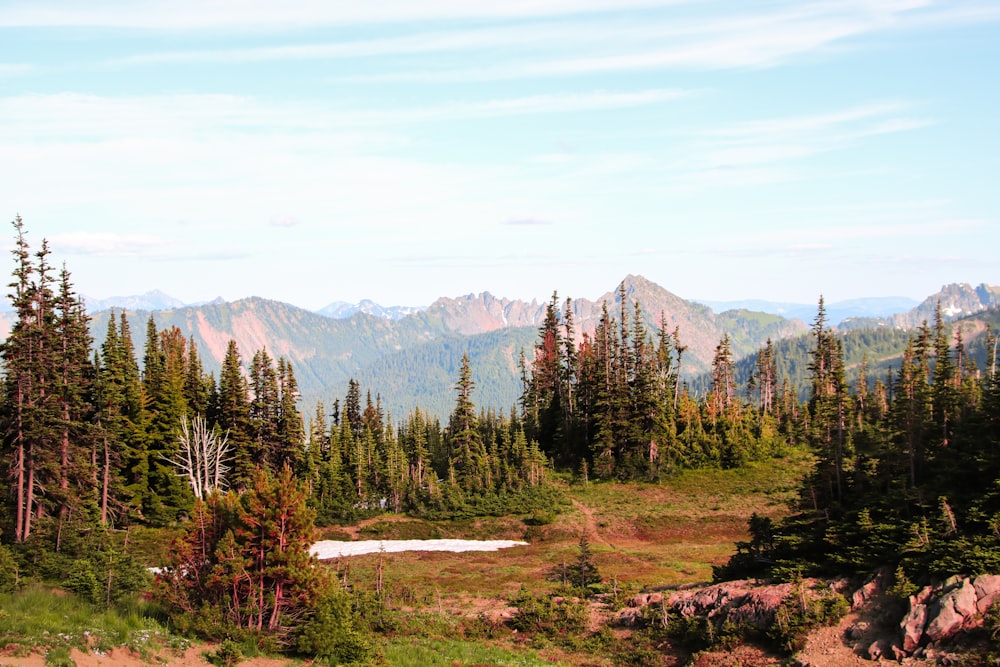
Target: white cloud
[[109, 245], [756, 144], [43, 119], [527, 221], [280, 14], [283, 221], [661, 40], [15, 69]]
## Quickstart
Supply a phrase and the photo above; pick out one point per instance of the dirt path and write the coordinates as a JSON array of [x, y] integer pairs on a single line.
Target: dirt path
[[590, 523], [122, 657], [827, 647]]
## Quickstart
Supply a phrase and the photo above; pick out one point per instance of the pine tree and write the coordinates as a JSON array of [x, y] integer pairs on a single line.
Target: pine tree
[[468, 455], [289, 433], [164, 374], [32, 411], [76, 474], [232, 416]]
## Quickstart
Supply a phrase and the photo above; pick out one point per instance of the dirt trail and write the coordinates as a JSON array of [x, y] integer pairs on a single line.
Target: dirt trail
[[827, 647], [590, 523], [122, 657]]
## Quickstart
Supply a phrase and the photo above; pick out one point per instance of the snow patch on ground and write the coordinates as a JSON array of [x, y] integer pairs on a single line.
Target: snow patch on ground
[[334, 549]]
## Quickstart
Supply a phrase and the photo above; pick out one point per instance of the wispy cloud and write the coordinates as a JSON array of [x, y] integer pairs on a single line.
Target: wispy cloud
[[278, 14], [836, 237], [283, 221], [15, 69], [539, 38], [110, 245], [526, 222], [48, 117], [773, 150], [675, 38]]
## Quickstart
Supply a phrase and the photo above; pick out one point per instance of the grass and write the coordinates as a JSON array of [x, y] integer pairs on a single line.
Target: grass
[[645, 535], [641, 536], [453, 653], [43, 617]]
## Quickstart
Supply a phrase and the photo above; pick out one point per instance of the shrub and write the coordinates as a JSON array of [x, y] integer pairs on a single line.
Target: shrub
[[332, 635], [228, 654], [542, 614]]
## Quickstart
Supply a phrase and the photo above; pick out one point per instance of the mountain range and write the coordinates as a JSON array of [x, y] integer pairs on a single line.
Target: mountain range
[[410, 356]]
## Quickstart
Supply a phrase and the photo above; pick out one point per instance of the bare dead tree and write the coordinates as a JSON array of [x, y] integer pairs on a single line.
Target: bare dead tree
[[201, 457]]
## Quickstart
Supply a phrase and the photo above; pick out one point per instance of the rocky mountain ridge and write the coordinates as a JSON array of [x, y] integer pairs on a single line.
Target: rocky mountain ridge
[[412, 360]]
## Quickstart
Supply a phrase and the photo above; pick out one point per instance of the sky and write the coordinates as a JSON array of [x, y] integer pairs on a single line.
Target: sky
[[315, 151]]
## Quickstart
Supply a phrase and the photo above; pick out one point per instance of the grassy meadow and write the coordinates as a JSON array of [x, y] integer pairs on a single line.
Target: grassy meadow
[[444, 608]]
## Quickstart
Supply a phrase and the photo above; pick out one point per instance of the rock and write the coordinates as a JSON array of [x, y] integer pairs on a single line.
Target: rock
[[856, 631], [913, 625], [956, 607], [897, 653], [965, 599], [924, 594], [640, 600], [987, 591], [738, 602], [875, 650], [873, 586], [629, 617]]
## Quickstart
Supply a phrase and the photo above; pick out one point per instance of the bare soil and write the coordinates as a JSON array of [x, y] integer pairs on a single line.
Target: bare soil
[[122, 657]]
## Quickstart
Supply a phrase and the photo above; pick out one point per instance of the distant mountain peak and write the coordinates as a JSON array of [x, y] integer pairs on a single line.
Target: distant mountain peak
[[342, 310], [151, 300]]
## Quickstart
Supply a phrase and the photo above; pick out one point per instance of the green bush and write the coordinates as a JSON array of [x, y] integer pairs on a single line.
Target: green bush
[[542, 614], [332, 635], [228, 654], [82, 580]]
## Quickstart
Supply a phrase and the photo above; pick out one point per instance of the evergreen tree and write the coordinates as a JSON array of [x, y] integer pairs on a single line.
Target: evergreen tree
[[468, 455], [32, 409], [289, 432], [76, 471], [232, 416]]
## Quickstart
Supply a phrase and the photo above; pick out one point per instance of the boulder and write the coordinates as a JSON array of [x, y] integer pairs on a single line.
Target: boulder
[[955, 608], [987, 591], [913, 625], [875, 650], [629, 617]]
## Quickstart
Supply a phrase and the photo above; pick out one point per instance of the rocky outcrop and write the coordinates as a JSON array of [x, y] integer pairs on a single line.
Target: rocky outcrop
[[740, 603], [936, 614], [939, 613]]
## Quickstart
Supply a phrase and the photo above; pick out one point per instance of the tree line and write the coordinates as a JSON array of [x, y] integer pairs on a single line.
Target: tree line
[[613, 404]]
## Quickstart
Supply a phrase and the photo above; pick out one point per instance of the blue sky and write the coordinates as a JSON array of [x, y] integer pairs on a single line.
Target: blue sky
[[402, 150]]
